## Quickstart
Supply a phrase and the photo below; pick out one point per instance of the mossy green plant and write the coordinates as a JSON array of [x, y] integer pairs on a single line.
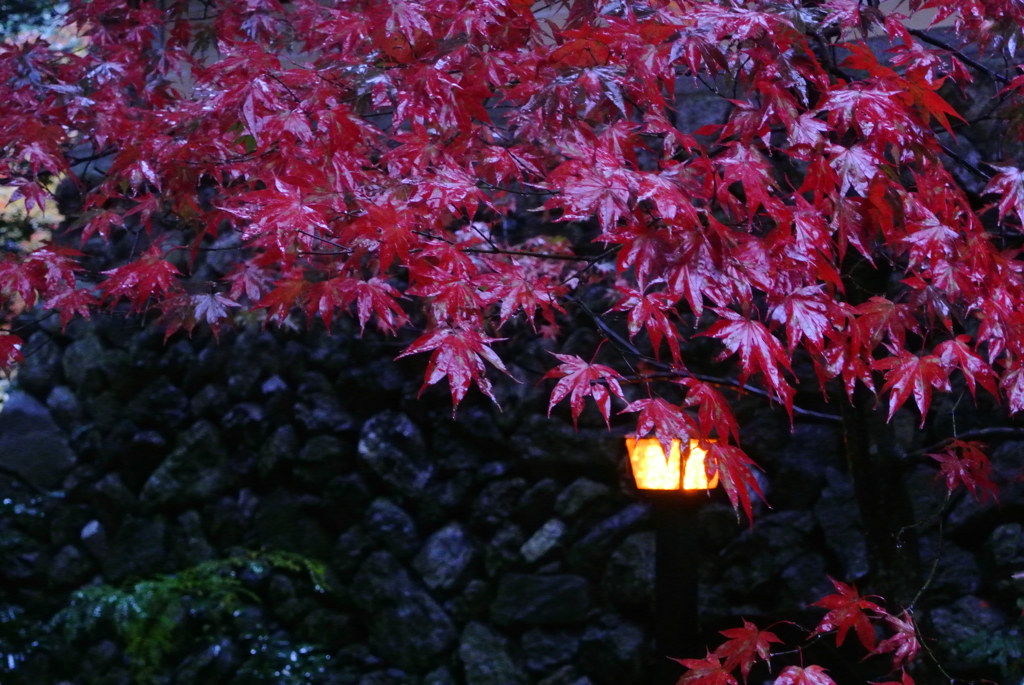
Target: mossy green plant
[[147, 616]]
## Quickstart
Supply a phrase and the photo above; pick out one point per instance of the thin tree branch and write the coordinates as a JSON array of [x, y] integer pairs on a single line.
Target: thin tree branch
[[962, 161], [325, 240], [523, 253], [591, 262], [961, 56], [498, 250], [671, 372], [996, 432]]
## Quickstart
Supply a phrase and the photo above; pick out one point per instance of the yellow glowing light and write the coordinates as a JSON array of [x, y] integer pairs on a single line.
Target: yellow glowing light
[[653, 471]]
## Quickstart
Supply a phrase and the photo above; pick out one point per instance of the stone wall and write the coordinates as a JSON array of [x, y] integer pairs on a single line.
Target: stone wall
[[498, 548]]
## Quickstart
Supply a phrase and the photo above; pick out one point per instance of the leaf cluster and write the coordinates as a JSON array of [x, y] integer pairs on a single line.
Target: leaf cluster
[[847, 610], [372, 159]]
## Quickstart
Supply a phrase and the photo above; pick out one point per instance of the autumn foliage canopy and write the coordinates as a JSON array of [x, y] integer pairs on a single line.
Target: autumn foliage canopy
[[369, 157]]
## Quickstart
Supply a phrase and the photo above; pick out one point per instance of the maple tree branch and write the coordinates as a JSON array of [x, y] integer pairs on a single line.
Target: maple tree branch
[[523, 253], [997, 432], [91, 158], [961, 56], [431, 236], [962, 161], [828, 59], [498, 250], [344, 249], [541, 193], [921, 641], [590, 264], [938, 553], [33, 322], [671, 372]]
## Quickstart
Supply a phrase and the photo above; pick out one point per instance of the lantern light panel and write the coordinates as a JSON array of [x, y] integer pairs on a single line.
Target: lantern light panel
[[653, 471]]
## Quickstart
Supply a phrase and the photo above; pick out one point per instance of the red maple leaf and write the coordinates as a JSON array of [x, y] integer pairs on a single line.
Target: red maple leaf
[[748, 167], [956, 354], [20, 277], [579, 379], [708, 671], [795, 675], [283, 211], [713, 409], [757, 348], [806, 316], [599, 187], [249, 279], [734, 469], [667, 421], [371, 297], [377, 297], [518, 290], [459, 355], [10, 350], [879, 317], [846, 610], [903, 642], [1013, 384], [386, 230], [70, 301], [286, 294], [908, 373], [744, 646], [1009, 185], [650, 310], [855, 168], [964, 463], [452, 299], [149, 276]]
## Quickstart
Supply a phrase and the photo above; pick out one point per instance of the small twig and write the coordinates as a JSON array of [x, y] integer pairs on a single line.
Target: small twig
[[935, 561], [540, 193], [938, 664], [498, 250], [329, 242], [998, 432], [205, 249], [34, 322], [523, 253], [962, 161], [961, 56], [590, 264], [673, 372], [431, 236], [92, 157]]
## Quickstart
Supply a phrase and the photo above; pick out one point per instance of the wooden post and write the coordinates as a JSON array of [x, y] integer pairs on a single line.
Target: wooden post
[[677, 622]]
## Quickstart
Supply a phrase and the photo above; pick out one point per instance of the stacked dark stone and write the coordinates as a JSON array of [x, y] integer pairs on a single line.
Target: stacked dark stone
[[496, 549]]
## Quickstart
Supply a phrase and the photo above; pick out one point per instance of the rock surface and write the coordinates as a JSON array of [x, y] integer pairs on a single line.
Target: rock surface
[[496, 548], [486, 659], [446, 560], [406, 625], [541, 599]]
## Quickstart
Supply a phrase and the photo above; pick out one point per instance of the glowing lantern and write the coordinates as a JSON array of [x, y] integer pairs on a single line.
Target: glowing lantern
[[653, 471]]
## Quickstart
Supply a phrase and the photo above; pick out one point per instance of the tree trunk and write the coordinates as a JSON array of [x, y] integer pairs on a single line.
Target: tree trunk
[[888, 518], [885, 507]]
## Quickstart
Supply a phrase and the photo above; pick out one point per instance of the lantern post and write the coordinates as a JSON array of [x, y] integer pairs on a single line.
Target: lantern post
[[674, 486]]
